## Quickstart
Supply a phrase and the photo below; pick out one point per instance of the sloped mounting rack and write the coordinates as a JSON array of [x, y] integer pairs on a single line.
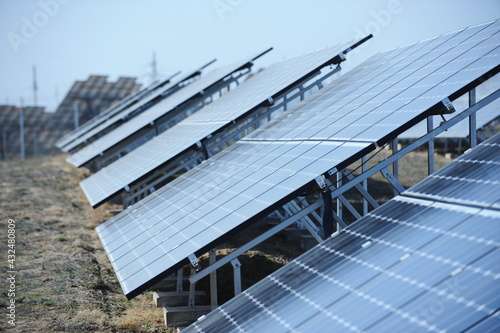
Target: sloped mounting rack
[[188, 102], [215, 138]]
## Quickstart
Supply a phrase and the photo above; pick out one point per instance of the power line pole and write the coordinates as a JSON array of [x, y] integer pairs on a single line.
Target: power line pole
[[154, 73]]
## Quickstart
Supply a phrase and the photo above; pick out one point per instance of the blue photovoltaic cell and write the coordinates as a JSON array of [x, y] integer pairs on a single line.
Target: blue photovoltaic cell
[[466, 178], [193, 213], [168, 145], [416, 265], [145, 118]]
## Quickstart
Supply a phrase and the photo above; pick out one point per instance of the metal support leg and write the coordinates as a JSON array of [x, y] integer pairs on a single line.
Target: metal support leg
[[213, 281], [430, 147], [366, 196], [180, 276], [395, 165], [192, 290], [339, 203], [364, 185], [472, 120], [237, 276]]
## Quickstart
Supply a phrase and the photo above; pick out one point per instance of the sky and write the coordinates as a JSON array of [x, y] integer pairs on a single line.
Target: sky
[[68, 40]]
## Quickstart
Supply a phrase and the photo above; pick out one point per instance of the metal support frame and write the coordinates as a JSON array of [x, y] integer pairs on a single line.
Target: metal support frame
[[72, 146], [472, 120], [358, 182], [237, 276], [417, 143], [430, 147], [364, 188], [166, 121], [292, 208], [143, 188], [398, 188], [192, 291], [395, 165], [213, 280], [180, 277], [259, 239], [340, 211]]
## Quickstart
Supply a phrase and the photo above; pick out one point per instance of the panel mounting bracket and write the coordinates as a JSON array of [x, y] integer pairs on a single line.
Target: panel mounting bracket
[[444, 107], [333, 171], [194, 261], [321, 181], [269, 101], [394, 182]]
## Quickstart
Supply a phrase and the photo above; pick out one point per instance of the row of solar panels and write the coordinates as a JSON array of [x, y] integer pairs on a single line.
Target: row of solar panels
[[358, 112]]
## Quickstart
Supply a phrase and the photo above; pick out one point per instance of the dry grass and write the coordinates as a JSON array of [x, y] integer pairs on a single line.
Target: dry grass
[[64, 280]]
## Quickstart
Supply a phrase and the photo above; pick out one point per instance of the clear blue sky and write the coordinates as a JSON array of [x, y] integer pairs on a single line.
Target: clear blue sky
[[69, 40]]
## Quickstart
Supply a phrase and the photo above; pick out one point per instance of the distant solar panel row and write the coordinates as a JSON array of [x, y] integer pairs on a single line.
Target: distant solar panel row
[[109, 112], [419, 265], [161, 92], [251, 94], [362, 109], [144, 119]]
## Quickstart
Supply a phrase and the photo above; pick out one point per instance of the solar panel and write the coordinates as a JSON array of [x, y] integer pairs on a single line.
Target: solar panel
[[143, 104], [413, 265], [486, 116], [111, 111], [180, 138], [150, 115], [274, 164]]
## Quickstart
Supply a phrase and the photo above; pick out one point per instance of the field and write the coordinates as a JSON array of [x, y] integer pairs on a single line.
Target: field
[[64, 281]]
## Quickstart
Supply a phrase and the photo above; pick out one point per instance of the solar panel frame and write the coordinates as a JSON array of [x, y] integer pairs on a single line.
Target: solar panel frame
[[204, 202]]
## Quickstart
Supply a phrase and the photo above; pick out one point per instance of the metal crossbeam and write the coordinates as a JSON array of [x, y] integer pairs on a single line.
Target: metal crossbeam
[[398, 188], [165, 121], [254, 242]]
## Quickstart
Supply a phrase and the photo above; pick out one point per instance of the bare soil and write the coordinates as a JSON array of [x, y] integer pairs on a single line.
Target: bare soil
[[64, 281]]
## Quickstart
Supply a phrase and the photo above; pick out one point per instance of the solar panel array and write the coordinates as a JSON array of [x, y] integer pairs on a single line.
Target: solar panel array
[[485, 116], [426, 261], [212, 118], [109, 112], [367, 106], [144, 119], [160, 93]]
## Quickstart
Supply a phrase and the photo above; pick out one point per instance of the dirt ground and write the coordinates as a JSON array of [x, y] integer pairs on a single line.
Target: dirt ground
[[63, 279]]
